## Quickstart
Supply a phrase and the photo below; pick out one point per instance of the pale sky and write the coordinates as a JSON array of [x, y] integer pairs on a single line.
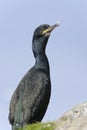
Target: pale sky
[[66, 51]]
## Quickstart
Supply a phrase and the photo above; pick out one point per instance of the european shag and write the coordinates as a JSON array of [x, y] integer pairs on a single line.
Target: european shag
[[31, 98]]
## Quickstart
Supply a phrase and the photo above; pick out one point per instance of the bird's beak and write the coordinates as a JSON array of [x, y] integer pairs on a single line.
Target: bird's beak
[[49, 29]]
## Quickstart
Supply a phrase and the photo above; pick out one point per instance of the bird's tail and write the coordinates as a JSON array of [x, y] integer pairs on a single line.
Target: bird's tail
[[16, 127]]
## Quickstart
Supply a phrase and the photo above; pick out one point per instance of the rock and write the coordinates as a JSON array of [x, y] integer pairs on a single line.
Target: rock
[[74, 119]]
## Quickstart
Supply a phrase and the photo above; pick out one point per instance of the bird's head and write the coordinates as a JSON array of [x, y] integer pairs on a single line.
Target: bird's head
[[40, 37]]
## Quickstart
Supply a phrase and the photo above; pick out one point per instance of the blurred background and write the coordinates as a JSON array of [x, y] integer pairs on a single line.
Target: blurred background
[[66, 51]]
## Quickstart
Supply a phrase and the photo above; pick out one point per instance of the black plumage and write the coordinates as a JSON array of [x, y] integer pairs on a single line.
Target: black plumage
[[30, 99]]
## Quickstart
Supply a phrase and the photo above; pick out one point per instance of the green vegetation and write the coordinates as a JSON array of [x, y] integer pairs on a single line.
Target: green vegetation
[[40, 126]]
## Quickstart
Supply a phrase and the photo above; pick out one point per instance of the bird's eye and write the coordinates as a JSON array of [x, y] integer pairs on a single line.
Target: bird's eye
[[42, 30]]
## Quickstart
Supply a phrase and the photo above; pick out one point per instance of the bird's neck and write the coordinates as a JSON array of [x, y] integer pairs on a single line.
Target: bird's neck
[[42, 62]]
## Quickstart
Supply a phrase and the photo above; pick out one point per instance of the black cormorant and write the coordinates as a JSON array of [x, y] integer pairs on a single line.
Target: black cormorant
[[30, 99]]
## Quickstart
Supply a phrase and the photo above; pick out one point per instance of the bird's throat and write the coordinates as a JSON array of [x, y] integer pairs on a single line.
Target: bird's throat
[[42, 62]]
